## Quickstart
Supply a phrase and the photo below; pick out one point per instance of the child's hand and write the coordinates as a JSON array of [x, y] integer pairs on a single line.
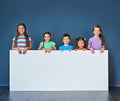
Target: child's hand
[[102, 50], [69, 50], [45, 50], [75, 49], [25, 50], [48, 51], [92, 50], [19, 51], [61, 50]]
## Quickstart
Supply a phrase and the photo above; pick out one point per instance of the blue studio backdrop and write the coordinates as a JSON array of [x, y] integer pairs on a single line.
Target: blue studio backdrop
[[75, 17]]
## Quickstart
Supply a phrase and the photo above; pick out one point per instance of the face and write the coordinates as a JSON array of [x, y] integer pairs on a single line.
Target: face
[[66, 40], [21, 30], [81, 44], [47, 37], [96, 31]]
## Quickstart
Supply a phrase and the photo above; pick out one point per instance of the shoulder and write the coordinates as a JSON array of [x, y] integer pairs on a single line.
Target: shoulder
[[52, 42], [61, 47], [29, 38], [41, 43], [70, 46], [91, 38], [13, 39]]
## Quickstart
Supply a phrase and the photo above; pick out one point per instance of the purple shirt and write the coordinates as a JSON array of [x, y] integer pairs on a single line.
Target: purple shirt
[[95, 43]]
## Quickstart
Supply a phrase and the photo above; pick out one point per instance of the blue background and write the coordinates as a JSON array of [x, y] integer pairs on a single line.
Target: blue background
[[75, 17]]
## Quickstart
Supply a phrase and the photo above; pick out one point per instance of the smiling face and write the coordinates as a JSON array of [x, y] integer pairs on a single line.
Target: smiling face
[[66, 40], [81, 44], [47, 37], [21, 29], [96, 31]]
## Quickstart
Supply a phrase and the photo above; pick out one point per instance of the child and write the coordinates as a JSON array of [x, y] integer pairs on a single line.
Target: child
[[97, 42], [47, 44], [80, 43], [66, 41], [22, 41]]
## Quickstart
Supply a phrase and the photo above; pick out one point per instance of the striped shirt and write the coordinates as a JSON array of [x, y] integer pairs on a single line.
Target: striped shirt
[[21, 42]]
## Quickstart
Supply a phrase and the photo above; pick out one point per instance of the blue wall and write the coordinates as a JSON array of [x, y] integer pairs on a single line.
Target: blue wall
[[75, 17]]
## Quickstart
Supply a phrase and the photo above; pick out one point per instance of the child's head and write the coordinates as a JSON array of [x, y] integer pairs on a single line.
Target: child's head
[[66, 39], [21, 29], [47, 36], [80, 42], [97, 30]]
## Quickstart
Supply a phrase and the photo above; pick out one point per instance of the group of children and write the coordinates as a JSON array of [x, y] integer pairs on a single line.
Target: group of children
[[22, 41]]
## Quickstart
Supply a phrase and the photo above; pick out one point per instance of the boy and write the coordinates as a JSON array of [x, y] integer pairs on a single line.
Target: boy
[[66, 41]]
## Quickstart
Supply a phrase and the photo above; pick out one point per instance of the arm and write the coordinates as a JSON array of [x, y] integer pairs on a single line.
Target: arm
[[40, 48], [90, 48], [16, 48], [102, 49], [54, 48], [13, 46], [30, 47]]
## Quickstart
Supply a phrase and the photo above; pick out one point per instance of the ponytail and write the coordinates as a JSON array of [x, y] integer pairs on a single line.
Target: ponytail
[[102, 39]]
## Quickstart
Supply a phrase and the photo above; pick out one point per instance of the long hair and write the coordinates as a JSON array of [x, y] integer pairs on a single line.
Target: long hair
[[79, 39], [101, 36], [44, 36], [25, 34]]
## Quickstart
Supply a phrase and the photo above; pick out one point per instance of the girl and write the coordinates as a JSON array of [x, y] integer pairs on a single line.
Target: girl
[[97, 42], [21, 42], [47, 44], [80, 43]]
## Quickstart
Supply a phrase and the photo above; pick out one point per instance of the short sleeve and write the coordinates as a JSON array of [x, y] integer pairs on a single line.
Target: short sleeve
[[13, 39], [60, 48], [41, 44], [72, 48], [29, 39], [89, 42], [53, 44]]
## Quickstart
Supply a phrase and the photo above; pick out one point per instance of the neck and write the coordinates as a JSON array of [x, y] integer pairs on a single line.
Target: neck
[[47, 41], [66, 44], [81, 47], [22, 34], [96, 36]]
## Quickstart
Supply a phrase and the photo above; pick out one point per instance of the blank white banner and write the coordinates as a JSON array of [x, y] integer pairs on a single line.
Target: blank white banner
[[58, 71]]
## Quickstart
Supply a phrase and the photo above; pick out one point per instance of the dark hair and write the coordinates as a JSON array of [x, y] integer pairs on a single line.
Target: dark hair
[[101, 36], [44, 36], [25, 34], [66, 35], [79, 39], [48, 34]]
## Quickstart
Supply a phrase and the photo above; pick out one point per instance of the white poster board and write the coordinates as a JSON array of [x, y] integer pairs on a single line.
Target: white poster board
[[58, 71]]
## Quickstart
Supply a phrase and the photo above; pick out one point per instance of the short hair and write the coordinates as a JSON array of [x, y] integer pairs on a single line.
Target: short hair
[[66, 35]]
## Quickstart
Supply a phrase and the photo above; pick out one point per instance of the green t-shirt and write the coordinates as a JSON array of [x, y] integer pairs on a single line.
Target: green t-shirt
[[47, 45]]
